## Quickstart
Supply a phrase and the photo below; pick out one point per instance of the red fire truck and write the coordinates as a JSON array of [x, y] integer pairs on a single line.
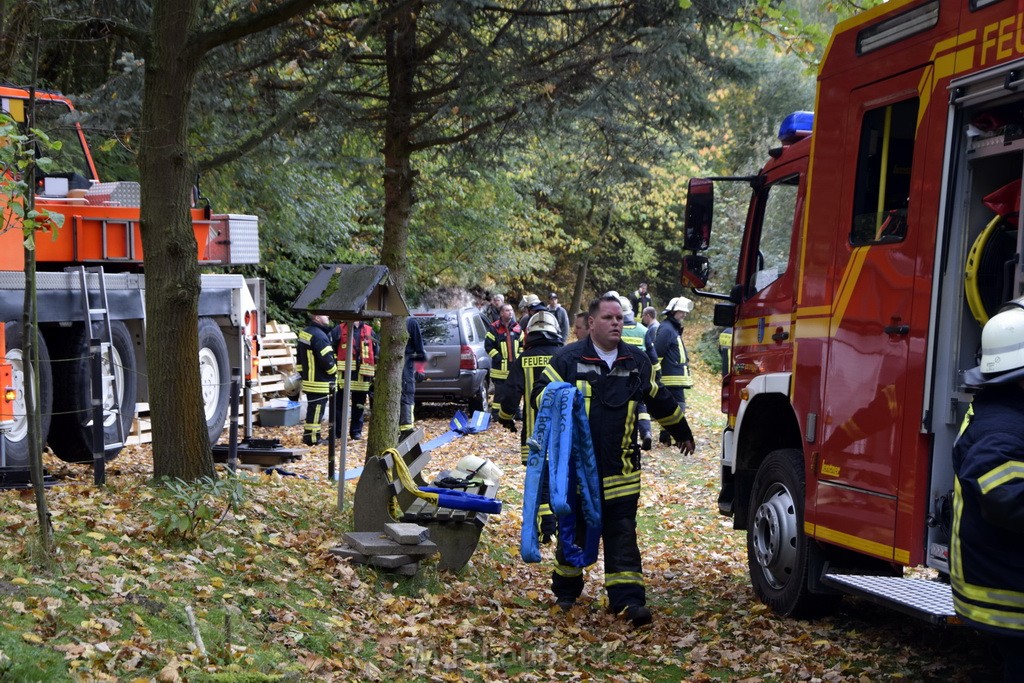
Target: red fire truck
[[880, 236], [91, 285]]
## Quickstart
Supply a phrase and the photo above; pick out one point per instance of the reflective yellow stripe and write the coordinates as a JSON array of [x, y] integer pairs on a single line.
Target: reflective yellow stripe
[[326, 350], [621, 479], [987, 615], [675, 418], [623, 578], [621, 492], [566, 570], [1008, 471], [627, 444], [675, 381], [314, 387]]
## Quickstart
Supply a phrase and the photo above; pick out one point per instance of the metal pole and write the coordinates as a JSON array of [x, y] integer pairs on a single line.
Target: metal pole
[[236, 379], [99, 460], [345, 410], [332, 409]]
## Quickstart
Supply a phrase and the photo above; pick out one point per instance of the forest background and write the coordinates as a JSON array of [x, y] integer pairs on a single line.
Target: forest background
[[515, 210], [490, 147]]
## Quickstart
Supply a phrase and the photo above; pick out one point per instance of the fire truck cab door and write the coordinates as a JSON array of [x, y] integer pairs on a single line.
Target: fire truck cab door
[[872, 318]]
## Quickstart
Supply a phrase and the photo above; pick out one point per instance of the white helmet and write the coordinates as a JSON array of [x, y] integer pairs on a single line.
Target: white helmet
[[544, 321], [1002, 348], [680, 303]]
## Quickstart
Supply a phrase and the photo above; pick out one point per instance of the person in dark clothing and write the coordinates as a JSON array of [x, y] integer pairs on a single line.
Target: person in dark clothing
[[542, 341], [412, 372], [613, 377], [668, 344], [987, 544], [493, 310], [316, 364], [640, 299], [531, 304], [502, 344], [561, 317]]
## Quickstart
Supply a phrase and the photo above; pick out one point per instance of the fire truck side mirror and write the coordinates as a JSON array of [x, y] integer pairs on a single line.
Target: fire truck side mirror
[[700, 202], [696, 271]]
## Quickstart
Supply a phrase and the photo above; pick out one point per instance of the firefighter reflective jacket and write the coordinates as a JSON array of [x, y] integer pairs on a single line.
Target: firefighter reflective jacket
[[987, 545], [315, 360], [675, 366], [364, 354], [523, 375], [502, 344], [611, 396]]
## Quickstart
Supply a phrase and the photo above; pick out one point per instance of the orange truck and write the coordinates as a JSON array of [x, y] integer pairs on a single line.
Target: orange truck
[[879, 237], [91, 285]]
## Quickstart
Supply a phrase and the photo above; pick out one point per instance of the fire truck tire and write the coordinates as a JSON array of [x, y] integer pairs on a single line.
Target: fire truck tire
[[71, 436], [779, 554], [16, 448], [215, 373]]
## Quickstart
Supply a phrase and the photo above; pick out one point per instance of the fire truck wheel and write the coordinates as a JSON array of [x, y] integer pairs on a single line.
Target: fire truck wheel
[[779, 554], [71, 438], [16, 439], [215, 374]]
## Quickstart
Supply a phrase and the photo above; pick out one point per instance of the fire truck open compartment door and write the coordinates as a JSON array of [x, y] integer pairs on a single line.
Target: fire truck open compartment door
[[873, 322], [985, 152]]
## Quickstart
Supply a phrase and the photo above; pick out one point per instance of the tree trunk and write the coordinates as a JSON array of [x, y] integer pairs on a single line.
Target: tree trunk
[[180, 441], [400, 39]]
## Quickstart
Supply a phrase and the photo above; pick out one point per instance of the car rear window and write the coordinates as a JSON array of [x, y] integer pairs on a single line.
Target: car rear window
[[438, 329]]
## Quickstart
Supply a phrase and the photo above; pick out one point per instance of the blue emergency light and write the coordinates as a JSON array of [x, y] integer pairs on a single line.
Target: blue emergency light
[[796, 126]]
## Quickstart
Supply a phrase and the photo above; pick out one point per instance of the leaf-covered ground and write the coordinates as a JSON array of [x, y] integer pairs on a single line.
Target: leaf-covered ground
[[272, 603]]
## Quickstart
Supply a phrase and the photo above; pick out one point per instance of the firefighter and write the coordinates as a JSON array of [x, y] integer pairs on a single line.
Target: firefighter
[[364, 366], [502, 344], [640, 299], [613, 377], [412, 372], [316, 363], [530, 304], [543, 339], [987, 545], [636, 334], [675, 367]]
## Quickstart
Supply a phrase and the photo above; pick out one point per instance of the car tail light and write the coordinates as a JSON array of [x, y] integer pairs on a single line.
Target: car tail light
[[467, 359]]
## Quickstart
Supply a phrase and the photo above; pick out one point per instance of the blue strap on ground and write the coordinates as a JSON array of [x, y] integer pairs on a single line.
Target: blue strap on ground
[[460, 425], [561, 442]]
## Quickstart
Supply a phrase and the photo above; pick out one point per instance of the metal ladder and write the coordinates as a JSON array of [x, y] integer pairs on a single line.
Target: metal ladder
[[101, 315]]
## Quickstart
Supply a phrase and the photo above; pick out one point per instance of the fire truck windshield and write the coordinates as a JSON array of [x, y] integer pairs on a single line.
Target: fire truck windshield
[[58, 122]]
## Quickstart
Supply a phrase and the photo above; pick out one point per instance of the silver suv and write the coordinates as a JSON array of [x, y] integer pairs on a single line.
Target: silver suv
[[457, 364]]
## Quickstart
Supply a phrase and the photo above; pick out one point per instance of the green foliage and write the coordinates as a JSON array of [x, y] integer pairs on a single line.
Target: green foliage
[[197, 507], [18, 155]]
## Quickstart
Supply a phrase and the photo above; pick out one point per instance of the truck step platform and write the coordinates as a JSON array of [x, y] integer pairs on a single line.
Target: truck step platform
[[924, 599]]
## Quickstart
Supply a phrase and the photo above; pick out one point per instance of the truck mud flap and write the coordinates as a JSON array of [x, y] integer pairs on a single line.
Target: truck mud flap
[[924, 599]]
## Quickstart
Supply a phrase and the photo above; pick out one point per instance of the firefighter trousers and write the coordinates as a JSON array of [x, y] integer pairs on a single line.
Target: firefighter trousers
[[356, 408], [623, 573], [316, 412]]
